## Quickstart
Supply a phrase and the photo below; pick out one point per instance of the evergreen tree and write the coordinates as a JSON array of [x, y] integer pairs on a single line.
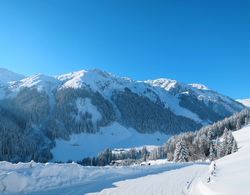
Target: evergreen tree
[[144, 153], [235, 146], [224, 144], [181, 153], [230, 143], [238, 125], [212, 152]]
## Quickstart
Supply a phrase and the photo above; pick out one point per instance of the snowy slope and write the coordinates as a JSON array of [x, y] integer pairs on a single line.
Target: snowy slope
[[8, 76], [245, 102], [202, 92], [232, 172], [113, 136]]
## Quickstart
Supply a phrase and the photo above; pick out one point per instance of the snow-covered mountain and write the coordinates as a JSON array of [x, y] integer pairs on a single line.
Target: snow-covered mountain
[[8, 76], [245, 102], [43, 109]]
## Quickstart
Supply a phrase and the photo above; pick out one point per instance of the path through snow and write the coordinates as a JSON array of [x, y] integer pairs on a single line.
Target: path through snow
[[174, 182]]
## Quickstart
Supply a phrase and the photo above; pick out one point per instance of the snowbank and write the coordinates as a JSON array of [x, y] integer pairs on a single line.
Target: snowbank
[[52, 178]]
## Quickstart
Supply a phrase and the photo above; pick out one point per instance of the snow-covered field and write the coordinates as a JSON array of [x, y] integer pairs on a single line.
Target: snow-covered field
[[232, 176], [113, 136]]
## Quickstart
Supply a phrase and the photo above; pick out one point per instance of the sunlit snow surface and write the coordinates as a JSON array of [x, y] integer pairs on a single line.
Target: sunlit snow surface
[[114, 136], [232, 176], [161, 177], [245, 102], [233, 171]]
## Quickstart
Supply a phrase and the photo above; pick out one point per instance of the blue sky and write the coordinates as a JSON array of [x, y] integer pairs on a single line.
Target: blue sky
[[198, 41]]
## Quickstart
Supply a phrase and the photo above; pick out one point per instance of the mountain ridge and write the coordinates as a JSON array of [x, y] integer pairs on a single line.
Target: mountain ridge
[[46, 108]]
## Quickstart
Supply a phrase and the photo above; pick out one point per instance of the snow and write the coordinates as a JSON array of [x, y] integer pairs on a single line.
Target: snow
[[232, 172], [202, 92], [171, 182], [106, 83], [232, 176], [97, 80], [7, 76], [124, 150], [113, 136], [39, 81], [165, 90], [85, 106], [161, 177], [199, 86], [164, 83], [51, 178], [245, 102]]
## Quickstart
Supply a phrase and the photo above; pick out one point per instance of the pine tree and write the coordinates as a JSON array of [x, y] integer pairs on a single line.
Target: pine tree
[[230, 142], [144, 153], [238, 125], [212, 152], [246, 121], [224, 144], [181, 153], [235, 146]]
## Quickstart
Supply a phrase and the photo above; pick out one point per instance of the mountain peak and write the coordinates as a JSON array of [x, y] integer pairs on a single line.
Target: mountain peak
[[245, 102], [199, 86], [7, 76], [165, 83]]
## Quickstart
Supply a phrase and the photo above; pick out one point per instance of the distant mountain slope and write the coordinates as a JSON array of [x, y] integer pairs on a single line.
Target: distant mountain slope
[[7, 76], [245, 102], [84, 101]]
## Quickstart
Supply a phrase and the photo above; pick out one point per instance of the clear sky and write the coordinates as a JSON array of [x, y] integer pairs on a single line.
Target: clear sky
[[202, 41]]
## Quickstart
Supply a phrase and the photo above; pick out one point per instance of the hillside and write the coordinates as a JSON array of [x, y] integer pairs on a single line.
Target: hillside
[[232, 172], [47, 111]]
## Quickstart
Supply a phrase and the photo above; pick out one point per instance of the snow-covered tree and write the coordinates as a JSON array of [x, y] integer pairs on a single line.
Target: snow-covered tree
[[181, 153], [212, 152], [235, 146], [238, 125], [228, 145]]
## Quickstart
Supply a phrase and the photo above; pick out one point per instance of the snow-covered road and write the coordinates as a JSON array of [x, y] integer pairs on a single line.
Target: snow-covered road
[[174, 182]]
